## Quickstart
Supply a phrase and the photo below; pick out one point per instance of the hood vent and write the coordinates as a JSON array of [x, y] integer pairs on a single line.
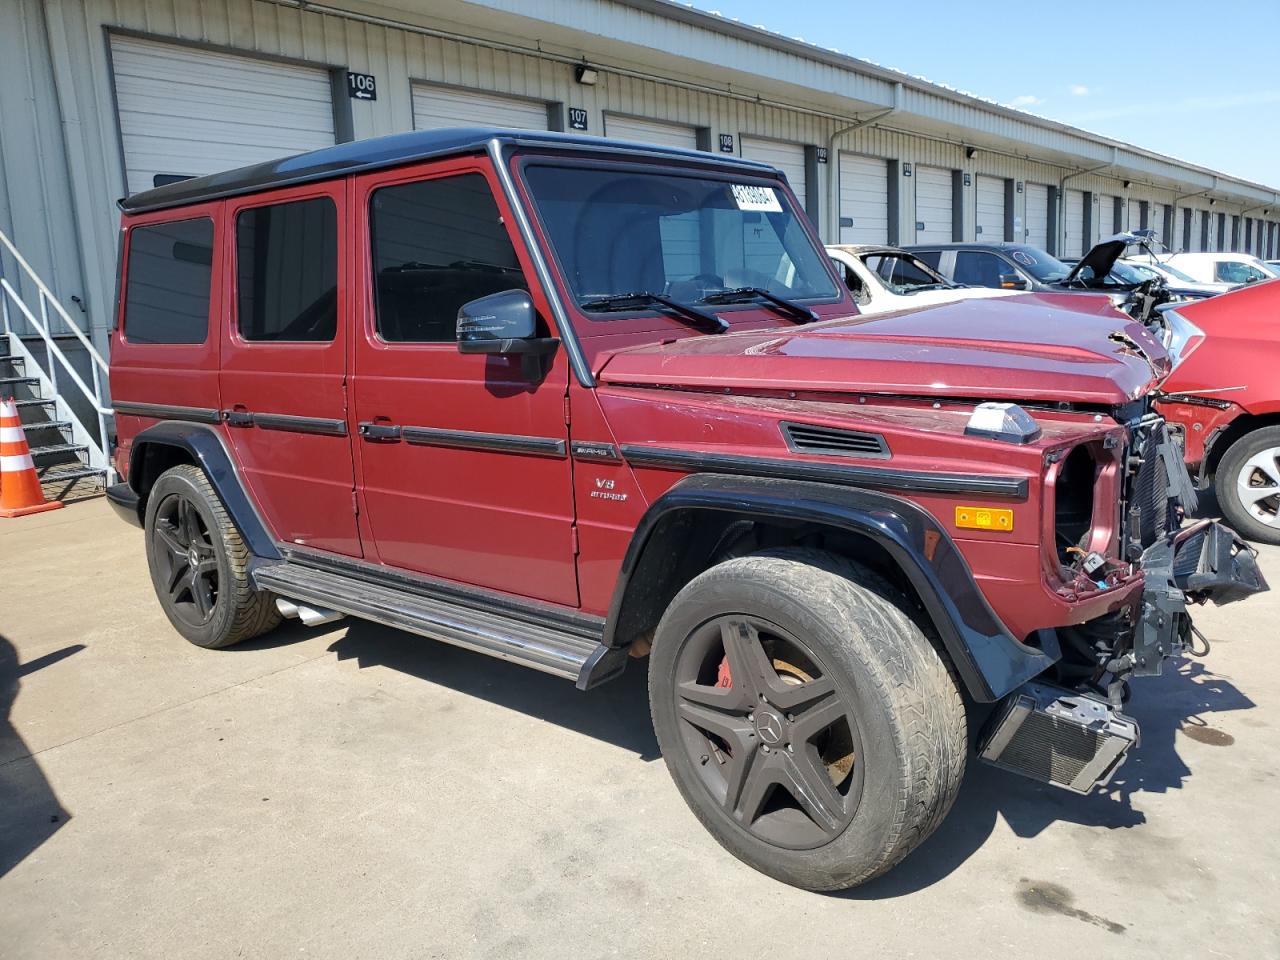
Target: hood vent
[[834, 442]]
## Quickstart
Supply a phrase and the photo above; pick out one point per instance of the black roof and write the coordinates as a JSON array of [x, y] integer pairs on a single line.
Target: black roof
[[974, 245], [390, 151]]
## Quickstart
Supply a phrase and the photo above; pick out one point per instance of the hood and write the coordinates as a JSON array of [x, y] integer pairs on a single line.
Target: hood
[[1102, 256], [1005, 348]]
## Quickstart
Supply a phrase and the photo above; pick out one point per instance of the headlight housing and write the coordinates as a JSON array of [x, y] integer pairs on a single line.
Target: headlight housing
[[1181, 336]]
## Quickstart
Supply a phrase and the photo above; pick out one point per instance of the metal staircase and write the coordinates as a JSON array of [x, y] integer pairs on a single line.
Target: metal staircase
[[65, 419]]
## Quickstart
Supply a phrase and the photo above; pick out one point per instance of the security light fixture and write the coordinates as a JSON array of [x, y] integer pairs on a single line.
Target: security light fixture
[[586, 74], [1128, 184], [1212, 201], [970, 152]]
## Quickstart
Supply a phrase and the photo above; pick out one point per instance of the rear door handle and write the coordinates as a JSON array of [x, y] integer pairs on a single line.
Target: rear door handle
[[238, 416], [379, 431]]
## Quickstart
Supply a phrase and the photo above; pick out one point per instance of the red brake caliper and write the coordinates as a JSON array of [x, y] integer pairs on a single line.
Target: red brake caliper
[[723, 677]]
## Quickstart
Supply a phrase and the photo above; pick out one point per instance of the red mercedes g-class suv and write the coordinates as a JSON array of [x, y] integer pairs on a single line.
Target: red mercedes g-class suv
[[566, 401]]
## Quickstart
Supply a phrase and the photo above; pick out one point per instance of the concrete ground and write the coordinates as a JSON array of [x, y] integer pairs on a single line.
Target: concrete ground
[[352, 792]]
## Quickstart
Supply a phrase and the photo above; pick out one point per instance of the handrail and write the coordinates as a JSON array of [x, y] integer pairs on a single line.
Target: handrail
[[55, 357], [48, 295]]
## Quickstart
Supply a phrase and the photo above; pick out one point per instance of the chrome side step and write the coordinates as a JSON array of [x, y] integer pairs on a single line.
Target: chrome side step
[[583, 659]]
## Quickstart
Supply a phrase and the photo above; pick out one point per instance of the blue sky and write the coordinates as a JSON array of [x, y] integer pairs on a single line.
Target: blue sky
[[1193, 80]]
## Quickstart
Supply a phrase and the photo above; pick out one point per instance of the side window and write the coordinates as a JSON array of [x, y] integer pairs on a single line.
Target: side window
[[931, 257], [1232, 271], [287, 271], [436, 244], [897, 271], [978, 269], [167, 281]]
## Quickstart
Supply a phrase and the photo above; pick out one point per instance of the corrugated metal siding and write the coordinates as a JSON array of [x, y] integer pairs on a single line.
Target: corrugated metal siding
[[85, 222]]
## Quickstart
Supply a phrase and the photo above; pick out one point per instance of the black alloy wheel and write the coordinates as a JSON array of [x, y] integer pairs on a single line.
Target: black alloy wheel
[[186, 560], [764, 724]]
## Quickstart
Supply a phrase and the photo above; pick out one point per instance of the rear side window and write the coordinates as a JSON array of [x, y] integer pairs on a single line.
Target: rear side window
[[437, 244], [167, 282], [931, 257], [287, 271], [979, 269]]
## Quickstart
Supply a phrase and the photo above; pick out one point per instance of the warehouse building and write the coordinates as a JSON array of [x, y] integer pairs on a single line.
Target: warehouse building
[[101, 98]]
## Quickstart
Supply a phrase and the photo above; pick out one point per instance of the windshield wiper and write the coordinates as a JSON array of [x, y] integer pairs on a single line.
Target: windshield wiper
[[698, 319], [788, 308]]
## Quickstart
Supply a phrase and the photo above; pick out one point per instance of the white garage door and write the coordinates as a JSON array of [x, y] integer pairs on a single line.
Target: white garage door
[[787, 157], [1106, 216], [864, 199], [650, 131], [185, 112], [1135, 216], [1073, 219], [933, 205], [1037, 222], [1155, 220], [990, 208], [436, 107]]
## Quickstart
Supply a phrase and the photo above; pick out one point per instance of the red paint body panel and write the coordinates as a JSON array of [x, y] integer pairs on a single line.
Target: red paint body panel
[[991, 349], [303, 483], [485, 517], [1237, 362]]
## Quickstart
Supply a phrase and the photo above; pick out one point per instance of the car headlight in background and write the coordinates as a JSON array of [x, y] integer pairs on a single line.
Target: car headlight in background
[[1181, 336]]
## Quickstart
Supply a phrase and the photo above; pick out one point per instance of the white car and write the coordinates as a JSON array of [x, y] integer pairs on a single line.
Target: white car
[[1232, 268], [884, 278], [1174, 277]]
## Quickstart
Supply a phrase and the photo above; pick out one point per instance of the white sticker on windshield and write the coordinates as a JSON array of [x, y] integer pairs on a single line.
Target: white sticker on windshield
[[1026, 259], [755, 198]]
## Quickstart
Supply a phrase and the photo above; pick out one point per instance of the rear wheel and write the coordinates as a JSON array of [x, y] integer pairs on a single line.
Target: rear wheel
[[806, 719], [1247, 483], [199, 563]]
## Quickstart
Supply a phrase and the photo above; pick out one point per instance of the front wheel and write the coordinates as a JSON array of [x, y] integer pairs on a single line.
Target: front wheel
[[1247, 483], [808, 722], [199, 564]]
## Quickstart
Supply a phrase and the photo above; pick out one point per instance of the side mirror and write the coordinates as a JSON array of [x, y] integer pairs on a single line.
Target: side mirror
[[1012, 281], [505, 323]]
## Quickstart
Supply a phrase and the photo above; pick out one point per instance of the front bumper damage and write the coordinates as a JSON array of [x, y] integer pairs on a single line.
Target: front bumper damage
[[1078, 738]]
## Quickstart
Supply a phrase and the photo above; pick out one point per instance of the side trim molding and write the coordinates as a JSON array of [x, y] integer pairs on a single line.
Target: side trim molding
[[294, 424], [161, 411], [470, 440], [876, 478]]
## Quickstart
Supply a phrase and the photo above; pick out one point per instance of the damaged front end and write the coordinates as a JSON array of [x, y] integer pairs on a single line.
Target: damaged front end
[[1067, 727]]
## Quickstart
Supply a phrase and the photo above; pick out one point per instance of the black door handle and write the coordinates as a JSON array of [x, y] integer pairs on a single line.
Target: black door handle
[[379, 431], [238, 418]]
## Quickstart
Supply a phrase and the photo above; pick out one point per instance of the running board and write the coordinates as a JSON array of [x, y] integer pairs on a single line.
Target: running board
[[585, 660]]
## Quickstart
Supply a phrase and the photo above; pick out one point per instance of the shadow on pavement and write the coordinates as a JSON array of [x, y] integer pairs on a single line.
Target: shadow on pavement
[[29, 811], [1161, 705], [616, 713]]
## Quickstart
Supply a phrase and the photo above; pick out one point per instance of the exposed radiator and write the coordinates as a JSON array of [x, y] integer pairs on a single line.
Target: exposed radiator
[[1057, 736]]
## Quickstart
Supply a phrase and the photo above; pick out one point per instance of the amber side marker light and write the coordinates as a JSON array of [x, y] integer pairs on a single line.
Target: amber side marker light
[[999, 519]]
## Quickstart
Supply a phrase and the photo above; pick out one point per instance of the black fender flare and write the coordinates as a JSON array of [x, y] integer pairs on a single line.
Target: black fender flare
[[990, 661], [208, 451]]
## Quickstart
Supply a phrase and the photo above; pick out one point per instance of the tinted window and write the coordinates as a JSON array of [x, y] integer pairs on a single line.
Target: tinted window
[[437, 244], [167, 282], [287, 271], [979, 269], [1232, 271], [931, 257]]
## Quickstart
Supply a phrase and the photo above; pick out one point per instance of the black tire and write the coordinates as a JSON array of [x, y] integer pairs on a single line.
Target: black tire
[[199, 563], [903, 717], [1235, 469]]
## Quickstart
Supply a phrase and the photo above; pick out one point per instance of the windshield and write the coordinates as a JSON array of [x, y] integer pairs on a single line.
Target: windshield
[[1043, 266], [681, 236], [1175, 273], [1132, 273], [903, 273]]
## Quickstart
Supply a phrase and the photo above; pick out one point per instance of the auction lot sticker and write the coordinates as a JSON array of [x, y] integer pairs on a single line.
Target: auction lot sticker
[[755, 198]]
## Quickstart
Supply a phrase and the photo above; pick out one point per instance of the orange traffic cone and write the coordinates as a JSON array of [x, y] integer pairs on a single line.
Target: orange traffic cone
[[20, 492]]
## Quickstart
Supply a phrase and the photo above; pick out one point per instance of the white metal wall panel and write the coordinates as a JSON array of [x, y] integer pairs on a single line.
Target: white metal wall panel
[[989, 205], [185, 111], [1106, 216], [864, 199], [787, 157], [435, 107], [1155, 220], [1075, 244], [650, 131], [933, 205], [1037, 216]]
